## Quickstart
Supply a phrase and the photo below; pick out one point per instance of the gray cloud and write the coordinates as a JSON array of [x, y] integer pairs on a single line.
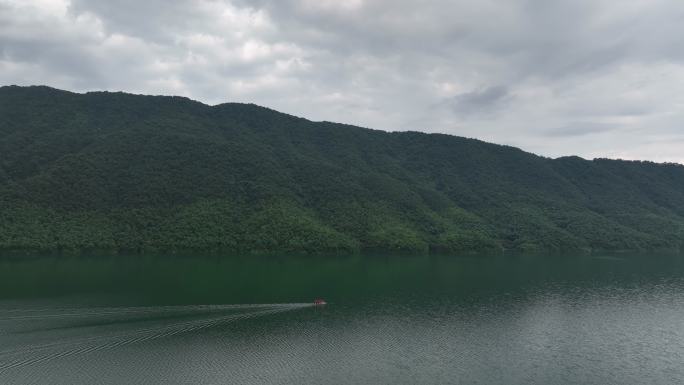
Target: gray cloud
[[558, 77], [484, 101], [580, 128]]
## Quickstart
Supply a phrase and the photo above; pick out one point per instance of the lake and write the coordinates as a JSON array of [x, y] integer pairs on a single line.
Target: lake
[[389, 320]]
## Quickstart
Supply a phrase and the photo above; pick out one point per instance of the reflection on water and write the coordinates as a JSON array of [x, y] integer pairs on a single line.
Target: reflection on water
[[394, 320]]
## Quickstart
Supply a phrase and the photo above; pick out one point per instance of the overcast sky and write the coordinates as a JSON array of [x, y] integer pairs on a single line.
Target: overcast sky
[[596, 78]]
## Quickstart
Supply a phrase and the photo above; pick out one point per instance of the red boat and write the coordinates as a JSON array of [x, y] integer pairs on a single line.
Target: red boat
[[319, 302]]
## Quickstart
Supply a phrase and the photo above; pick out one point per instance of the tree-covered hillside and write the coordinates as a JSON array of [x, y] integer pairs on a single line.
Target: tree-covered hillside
[[117, 171]]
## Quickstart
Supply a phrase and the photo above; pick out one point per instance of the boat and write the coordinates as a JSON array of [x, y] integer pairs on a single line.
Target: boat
[[319, 302]]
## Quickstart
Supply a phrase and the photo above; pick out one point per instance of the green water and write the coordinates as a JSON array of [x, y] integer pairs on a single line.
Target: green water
[[390, 320]]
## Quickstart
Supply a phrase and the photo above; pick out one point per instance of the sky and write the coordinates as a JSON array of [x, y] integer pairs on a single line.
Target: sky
[[594, 78]]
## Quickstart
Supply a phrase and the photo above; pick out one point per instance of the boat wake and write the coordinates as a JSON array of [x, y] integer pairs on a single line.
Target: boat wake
[[32, 354]]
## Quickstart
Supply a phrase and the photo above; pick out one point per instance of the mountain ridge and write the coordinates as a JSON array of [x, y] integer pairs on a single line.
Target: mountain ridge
[[118, 171]]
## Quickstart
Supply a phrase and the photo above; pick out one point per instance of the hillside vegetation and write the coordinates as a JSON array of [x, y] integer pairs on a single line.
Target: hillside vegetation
[[116, 171]]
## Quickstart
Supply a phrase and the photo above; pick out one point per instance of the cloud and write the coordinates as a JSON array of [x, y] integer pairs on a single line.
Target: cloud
[[483, 101], [557, 77], [580, 129]]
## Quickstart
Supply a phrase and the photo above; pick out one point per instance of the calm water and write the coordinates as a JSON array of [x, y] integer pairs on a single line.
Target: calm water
[[401, 320]]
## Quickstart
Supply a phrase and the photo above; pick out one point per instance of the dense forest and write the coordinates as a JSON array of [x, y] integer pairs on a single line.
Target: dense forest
[[122, 172]]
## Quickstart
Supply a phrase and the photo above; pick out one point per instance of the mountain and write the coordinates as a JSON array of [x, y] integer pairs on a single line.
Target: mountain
[[116, 171]]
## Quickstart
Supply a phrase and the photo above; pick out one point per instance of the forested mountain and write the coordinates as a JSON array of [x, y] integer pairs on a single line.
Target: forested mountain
[[116, 171]]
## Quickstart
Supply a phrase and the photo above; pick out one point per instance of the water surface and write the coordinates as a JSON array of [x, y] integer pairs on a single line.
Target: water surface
[[390, 320]]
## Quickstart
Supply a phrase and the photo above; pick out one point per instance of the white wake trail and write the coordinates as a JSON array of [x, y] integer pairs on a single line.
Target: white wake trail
[[138, 336], [75, 312]]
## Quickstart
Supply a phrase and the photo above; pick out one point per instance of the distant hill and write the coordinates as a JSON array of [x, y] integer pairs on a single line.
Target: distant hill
[[116, 171]]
